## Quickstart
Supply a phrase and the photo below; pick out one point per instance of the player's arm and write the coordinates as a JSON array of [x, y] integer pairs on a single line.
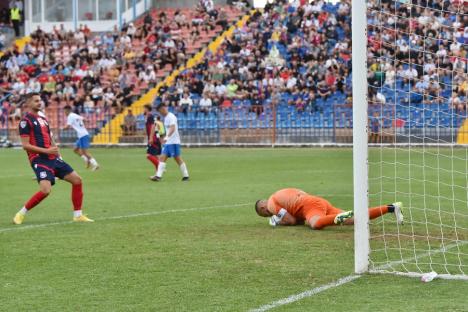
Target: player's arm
[[68, 123], [283, 217], [53, 150], [170, 131], [289, 219]]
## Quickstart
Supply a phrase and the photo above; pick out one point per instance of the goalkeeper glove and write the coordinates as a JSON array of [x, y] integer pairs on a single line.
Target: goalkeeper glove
[[276, 219]]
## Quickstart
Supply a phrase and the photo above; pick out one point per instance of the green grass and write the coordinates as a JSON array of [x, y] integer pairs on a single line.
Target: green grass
[[222, 258]]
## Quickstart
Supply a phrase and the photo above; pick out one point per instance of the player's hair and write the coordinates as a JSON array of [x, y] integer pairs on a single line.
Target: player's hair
[[161, 106], [67, 107], [28, 97], [148, 107], [256, 206]]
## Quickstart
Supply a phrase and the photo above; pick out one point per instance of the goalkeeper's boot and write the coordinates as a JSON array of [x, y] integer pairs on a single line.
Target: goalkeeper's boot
[[82, 218], [342, 217], [398, 210], [18, 219]]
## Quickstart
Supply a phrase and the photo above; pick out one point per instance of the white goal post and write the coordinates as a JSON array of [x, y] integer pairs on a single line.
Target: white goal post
[[410, 146], [360, 157]]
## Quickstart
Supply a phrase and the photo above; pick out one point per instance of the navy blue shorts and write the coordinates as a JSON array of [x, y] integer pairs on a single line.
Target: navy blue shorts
[[46, 169], [154, 149]]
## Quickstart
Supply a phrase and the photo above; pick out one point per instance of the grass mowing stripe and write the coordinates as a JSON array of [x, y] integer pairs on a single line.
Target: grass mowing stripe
[[34, 226], [27, 227], [350, 278]]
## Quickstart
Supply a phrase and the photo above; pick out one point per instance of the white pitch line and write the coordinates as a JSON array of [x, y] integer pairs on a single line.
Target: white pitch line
[[35, 226], [305, 294], [345, 280]]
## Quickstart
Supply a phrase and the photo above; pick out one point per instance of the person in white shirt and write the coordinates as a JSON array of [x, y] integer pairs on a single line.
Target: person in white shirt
[[131, 30], [126, 41], [220, 89], [19, 87], [410, 73], [171, 145], [82, 145], [185, 102], [148, 76], [205, 103], [169, 43], [97, 93], [80, 37], [34, 86]]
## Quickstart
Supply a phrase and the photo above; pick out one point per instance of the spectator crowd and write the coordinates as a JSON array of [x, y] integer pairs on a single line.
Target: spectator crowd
[[299, 54], [294, 54], [100, 74]]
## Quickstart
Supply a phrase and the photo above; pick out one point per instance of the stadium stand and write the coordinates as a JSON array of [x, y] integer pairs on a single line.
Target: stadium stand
[[297, 57], [287, 68], [100, 74]]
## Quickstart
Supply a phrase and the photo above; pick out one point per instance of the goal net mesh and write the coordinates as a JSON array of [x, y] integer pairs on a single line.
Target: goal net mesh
[[417, 96]]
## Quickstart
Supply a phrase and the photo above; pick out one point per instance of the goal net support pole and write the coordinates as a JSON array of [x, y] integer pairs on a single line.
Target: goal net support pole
[[360, 152]]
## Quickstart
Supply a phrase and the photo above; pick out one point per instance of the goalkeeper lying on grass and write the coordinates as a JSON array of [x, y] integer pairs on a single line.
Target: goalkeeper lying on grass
[[294, 207]]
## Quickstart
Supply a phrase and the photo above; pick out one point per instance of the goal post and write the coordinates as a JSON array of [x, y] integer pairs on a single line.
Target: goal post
[[410, 111], [360, 152]]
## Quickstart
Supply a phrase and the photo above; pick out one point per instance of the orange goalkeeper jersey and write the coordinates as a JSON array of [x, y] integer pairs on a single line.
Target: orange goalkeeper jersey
[[299, 204], [289, 199]]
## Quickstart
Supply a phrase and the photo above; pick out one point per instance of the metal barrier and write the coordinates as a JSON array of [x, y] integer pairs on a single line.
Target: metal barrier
[[264, 125]]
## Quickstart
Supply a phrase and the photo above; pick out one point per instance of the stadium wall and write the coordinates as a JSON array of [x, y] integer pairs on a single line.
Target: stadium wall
[[99, 16], [181, 3]]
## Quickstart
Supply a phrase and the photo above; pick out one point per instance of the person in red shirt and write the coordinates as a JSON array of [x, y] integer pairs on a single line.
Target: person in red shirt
[[45, 160], [292, 206]]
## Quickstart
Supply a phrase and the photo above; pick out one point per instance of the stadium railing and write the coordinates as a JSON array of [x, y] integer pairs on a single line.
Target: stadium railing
[[267, 125]]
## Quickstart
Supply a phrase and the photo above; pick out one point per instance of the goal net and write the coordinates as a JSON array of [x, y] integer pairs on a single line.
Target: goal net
[[417, 87]]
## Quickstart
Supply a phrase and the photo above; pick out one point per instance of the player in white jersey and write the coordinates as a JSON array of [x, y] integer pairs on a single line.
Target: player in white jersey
[[83, 143], [171, 145]]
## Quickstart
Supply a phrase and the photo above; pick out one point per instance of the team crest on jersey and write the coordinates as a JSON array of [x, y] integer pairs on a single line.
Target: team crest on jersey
[[43, 174], [23, 124]]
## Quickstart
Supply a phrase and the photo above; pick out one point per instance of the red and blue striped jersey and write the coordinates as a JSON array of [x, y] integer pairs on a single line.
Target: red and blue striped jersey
[[149, 123], [36, 128]]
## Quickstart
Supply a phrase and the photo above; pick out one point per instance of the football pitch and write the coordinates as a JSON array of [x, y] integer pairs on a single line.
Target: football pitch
[[196, 246]]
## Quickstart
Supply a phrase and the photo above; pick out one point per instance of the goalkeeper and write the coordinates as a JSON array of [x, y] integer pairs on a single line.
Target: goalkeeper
[[294, 207]]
